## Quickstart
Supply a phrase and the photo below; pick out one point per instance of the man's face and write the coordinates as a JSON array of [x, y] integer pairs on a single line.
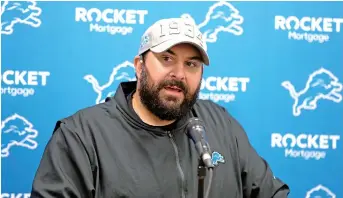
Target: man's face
[[169, 82]]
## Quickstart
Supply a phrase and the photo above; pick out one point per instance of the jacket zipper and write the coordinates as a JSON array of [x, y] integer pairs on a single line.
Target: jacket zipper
[[178, 164]]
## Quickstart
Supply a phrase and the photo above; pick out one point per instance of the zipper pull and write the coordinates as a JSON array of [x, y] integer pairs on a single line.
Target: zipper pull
[[169, 134]]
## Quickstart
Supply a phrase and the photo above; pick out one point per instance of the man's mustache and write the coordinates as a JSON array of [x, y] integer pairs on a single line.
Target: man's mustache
[[178, 84]]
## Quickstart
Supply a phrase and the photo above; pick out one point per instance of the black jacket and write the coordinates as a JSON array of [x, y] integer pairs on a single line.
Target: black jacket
[[107, 151]]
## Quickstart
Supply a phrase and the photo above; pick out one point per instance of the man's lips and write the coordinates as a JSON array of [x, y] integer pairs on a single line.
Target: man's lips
[[173, 88]]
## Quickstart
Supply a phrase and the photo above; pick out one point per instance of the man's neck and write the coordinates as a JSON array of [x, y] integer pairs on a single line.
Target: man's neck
[[145, 115]]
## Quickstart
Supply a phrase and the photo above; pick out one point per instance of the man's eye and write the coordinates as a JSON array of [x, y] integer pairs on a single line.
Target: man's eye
[[166, 58], [193, 64]]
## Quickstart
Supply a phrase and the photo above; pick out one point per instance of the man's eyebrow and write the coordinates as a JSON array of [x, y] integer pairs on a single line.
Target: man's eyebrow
[[170, 52], [198, 58]]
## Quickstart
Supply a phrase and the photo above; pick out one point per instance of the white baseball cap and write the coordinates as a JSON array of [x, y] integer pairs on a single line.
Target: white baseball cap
[[166, 33]]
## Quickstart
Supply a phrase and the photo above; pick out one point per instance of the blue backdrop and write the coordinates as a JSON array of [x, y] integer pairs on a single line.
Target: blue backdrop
[[276, 66]]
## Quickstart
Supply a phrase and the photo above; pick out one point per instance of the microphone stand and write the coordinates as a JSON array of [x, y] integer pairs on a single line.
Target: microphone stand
[[201, 178]]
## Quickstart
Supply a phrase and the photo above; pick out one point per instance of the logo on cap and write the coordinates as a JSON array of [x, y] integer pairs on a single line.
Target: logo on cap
[[145, 40]]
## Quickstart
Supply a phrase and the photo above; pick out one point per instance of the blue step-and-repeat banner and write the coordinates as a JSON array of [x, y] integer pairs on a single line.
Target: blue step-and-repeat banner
[[276, 66]]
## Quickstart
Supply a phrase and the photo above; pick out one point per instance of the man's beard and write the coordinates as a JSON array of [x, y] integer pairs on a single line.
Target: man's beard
[[150, 97]]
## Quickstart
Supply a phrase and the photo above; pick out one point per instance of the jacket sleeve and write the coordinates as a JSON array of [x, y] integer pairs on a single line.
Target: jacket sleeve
[[257, 176], [65, 169]]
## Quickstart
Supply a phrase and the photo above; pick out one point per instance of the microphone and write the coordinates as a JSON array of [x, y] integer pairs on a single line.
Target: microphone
[[196, 132]]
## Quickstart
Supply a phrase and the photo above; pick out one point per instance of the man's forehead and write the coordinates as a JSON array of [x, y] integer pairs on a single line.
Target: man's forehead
[[190, 48]]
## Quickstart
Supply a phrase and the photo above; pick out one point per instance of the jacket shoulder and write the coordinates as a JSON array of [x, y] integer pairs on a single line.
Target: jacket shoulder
[[87, 115], [210, 108], [215, 114]]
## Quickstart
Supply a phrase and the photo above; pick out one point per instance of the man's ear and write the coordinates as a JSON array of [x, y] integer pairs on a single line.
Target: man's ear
[[138, 66]]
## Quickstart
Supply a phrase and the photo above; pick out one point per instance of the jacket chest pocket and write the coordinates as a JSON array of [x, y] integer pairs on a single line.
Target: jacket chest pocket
[[136, 181], [142, 177], [224, 183]]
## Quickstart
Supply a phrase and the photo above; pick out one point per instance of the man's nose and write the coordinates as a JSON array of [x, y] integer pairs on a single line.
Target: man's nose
[[178, 71]]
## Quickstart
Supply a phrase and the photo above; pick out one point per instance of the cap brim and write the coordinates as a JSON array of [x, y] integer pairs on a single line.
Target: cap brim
[[172, 42]]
